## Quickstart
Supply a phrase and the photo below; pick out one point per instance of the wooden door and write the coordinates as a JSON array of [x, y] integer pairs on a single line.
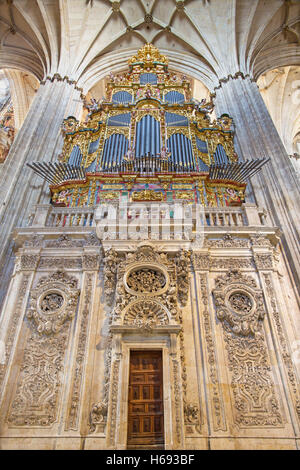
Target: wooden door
[[145, 402]]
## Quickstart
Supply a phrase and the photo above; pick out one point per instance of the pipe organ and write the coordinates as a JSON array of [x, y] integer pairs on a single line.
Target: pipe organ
[[149, 133]]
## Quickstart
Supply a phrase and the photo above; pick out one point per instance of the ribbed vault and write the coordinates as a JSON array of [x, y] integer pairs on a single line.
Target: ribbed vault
[[280, 89], [209, 39]]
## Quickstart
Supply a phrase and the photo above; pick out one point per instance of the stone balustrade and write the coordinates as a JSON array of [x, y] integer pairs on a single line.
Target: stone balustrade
[[150, 220]]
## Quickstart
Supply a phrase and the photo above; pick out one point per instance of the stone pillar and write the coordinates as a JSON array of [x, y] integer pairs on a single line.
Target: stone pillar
[[275, 187], [39, 139]]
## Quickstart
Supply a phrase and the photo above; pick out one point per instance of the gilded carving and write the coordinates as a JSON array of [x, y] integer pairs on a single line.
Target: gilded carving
[[147, 195]]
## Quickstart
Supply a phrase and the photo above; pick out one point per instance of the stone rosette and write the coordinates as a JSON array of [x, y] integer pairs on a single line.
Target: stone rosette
[[239, 305], [53, 301]]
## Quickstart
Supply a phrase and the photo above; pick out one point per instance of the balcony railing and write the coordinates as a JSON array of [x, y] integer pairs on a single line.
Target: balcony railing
[[153, 215]]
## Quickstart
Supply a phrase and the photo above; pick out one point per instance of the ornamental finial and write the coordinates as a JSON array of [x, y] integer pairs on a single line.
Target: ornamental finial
[[149, 55]]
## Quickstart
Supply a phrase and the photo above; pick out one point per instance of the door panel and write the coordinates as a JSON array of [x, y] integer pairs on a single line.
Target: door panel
[[145, 402]]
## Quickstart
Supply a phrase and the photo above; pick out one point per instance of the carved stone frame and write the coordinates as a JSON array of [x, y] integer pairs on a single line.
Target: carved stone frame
[[126, 339]]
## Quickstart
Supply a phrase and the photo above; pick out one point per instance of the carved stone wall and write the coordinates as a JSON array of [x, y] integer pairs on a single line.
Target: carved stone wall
[[215, 313], [53, 303], [240, 308]]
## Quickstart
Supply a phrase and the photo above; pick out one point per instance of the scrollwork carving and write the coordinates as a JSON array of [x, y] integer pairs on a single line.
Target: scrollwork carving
[[228, 241], [98, 416], [53, 301], [239, 303], [90, 262], [110, 275], [182, 271], [36, 399], [29, 262], [240, 308]]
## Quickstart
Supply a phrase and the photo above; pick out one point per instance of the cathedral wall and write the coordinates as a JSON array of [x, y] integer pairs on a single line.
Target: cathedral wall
[[228, 347]]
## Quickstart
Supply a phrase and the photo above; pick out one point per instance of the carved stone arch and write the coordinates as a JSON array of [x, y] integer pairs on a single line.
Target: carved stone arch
[[146, 314]]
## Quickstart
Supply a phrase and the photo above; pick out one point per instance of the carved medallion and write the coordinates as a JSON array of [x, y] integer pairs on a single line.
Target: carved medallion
[[239, 303], [53, 301], [146, 280]]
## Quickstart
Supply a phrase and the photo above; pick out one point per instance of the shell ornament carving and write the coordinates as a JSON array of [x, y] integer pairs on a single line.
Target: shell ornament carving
[[145, 314]]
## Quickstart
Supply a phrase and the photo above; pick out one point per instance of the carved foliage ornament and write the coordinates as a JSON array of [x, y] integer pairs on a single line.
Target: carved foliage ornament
[[239, 303], [182, 272], [52, 302], [110, 275], [146, 280]]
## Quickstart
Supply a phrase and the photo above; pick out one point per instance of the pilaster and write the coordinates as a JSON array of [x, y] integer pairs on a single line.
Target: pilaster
[[38, 139], [276, 186]]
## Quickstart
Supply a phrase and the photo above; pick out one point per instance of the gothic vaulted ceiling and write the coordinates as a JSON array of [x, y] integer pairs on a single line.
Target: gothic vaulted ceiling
[[208, 39]]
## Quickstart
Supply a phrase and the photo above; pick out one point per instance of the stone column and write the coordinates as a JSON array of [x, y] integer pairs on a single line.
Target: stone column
[[39, 139], [275, 187]]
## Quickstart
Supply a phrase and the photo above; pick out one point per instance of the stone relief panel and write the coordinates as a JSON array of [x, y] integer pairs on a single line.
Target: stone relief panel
[[240, 308], [216, 395], [72, 420], [13, 325], [53, 303], [291, 373]]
